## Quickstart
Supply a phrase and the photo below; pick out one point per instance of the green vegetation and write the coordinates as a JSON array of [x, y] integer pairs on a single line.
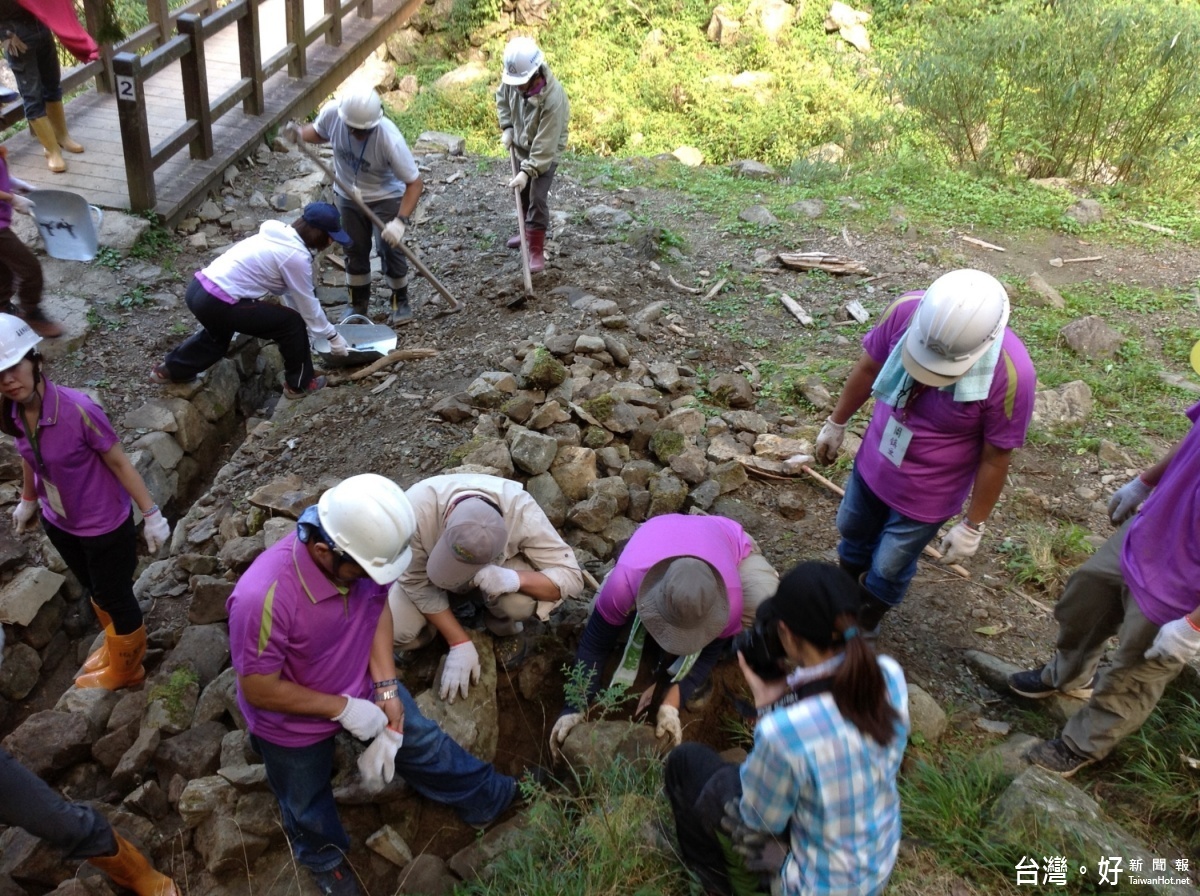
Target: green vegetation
[[1044, 555]]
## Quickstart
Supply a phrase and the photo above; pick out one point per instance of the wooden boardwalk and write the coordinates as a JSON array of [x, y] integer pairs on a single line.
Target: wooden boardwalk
[[99, 174]]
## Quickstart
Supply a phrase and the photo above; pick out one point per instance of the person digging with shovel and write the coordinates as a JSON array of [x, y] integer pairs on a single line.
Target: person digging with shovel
[[374, 171], [534, 114], [20, 270]]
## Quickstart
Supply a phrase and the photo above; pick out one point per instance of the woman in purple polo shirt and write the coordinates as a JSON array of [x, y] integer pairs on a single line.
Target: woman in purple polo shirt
[[77, 474]]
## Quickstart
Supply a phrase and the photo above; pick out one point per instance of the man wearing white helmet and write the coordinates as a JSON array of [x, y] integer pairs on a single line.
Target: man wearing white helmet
[[953, 389], [534, 113], [312, 646], [370, 155]]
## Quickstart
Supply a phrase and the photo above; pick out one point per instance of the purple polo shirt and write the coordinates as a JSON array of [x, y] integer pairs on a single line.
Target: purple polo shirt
[[72, 435], [286, 616], [718, 540], [1160, 560], [939, 467]]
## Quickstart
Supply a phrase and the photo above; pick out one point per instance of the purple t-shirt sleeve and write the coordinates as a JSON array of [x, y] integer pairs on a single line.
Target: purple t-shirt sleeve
[[617, 600], [258, 628], [98, 432]]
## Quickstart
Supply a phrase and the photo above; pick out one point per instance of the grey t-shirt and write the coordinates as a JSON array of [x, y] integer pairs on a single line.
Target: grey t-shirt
[[379, 166]]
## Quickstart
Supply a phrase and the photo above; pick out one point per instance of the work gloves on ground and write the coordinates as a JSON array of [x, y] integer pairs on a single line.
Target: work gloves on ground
[[558, 734], [461, 671], [24, 515], [1127, 499], [761, 852], [960, 543], [22, 204], [1178, 640], [506, 139], [338, 346], [362, 718], [495, 580], [155, 530], [519, 182], [377, 764], [668, 725], [393, 233], [14, 46], [829, 441]]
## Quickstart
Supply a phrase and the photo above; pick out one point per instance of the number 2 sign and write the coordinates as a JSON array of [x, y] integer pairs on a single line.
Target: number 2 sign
[[126, 89]]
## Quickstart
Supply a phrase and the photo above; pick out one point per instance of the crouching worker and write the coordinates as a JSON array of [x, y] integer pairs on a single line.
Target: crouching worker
[[827, 749], [226, 298], [85, 834], [684, 585], [312, 646]]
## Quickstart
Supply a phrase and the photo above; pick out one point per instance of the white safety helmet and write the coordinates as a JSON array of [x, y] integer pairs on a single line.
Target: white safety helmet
[[16, 339], [369, 517], [522, 59], [361, 109], [960, 317]]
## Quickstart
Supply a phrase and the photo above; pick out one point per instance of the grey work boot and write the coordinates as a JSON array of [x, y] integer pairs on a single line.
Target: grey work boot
[[401, 313]]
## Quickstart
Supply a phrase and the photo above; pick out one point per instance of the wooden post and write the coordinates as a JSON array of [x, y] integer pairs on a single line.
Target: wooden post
[[294, 17], [194, 71], [250, 58], [135, 133], [333, 9], [92, 12], [366, 9], [159, 12]]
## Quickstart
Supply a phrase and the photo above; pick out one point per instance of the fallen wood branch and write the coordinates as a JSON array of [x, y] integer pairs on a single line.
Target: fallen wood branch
[[764, 467], [1082, 260], [929, 550], [798, 312], [675, 328], [821, 261], [1157, 228], [981, 244], [716, 289], [679, 286], [400, 354]]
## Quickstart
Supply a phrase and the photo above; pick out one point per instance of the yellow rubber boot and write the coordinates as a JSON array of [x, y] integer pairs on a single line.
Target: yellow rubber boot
[[58, 120], [133, 871], [44, 131], [99, 657], [125, 654]]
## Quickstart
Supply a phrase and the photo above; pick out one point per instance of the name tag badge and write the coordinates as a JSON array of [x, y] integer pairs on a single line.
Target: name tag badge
[[54, 499], [894, 443]]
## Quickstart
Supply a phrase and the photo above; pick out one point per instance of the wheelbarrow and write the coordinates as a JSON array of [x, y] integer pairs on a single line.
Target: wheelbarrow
[[368, 342], [67, 223]]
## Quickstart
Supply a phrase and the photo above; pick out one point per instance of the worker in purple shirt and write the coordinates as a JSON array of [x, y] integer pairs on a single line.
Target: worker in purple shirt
[[1140, 586], [953, 389], [683, 586], [312, 646]]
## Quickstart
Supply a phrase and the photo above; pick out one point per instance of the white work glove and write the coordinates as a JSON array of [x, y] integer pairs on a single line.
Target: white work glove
[[23, 515], [362, 718], [1127, 499], [338, 346], [393, 234], [495, 580], [377, 764], [22, 204], [506, 139], [20, 186], [461, 671], [960, 543], [668, 725], [155, 530], [519, 182], [558, 734], [1178, 640], [293, 132], [829, 440]]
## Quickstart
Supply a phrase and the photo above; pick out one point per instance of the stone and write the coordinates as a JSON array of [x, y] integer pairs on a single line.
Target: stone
[[202, 649], [595, 744], [191, 429], [753, 170], [791, 506], [723, 27], [927, 717], [613, 486], [779, 448], [667, 493], [689, 156], [1042, 294], [12, 549], [205, 796], [758, 214], [593, 513], [471, 721], [26, 592], [725, 447], [731, 390], [589, 344], [541, 370], [690, 464], [730, 475], [746, 421], [287, 496], [618, 349], [121, 231], [209, 594], [388, 843], [533, 452], [258, 812], [703, 495], [109, 749], [94, 705], [462, 77], [162, 447], [1069, 404], [1091, 338], [191, 754], [573, 468], [171, 703], [131, 770], [238, 553], [226, 848], [24, 857], [685, 421], [1086, 212], [492, 453], [429, 875], [20, 672], [605, 217], [219, 395], [809, 208], [773, 17], [50, 740], [548, 415], [549, 497], [437, 141], [452, 409]]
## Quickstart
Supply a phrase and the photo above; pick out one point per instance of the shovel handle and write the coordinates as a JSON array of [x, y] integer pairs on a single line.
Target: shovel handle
[[512, 157]]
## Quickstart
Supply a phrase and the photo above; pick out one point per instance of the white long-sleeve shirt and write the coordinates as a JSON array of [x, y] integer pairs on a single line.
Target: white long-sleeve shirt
[[274, 262]]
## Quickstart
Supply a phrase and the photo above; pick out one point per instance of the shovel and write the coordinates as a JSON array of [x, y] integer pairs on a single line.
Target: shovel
[[455, 305], [512, 157]]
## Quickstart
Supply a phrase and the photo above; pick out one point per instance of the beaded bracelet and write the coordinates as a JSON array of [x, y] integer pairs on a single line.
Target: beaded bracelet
[[151, 510], [387, 683]]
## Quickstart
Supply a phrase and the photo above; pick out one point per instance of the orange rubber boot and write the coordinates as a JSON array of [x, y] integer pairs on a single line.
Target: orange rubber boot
[[133, 871], [98, 659], [125, 654]]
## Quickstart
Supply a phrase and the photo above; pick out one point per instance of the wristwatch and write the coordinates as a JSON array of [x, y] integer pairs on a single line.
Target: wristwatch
[[974, 527]]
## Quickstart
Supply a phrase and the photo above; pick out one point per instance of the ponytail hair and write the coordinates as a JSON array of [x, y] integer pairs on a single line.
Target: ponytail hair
[[819, 602]]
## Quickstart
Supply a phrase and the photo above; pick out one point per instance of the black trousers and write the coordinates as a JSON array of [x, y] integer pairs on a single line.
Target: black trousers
[[30, 803], [104, 565], [20, 271], [699, 783], [283, 326]]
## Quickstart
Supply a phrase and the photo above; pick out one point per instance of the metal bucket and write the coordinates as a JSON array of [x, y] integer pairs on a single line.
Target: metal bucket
[[67, 224], [368, 342]]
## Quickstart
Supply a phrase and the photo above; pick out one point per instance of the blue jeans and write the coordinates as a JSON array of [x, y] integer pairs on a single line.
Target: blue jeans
[[883, 541], [430, 761], [30, 803], [38, 74]]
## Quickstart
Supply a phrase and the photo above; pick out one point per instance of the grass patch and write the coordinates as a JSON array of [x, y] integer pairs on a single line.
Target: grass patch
[[1044, 555]]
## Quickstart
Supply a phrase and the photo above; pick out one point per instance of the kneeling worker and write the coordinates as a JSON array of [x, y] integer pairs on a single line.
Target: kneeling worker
[[478, 533]]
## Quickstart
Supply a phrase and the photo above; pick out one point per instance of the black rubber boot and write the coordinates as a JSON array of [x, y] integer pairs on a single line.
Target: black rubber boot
[[401, 312], [360, 299], [870, 614]]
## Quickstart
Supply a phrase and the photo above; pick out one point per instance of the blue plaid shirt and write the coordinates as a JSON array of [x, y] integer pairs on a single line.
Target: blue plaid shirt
[[837, 789]]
